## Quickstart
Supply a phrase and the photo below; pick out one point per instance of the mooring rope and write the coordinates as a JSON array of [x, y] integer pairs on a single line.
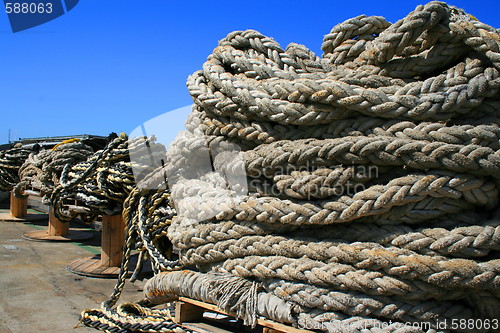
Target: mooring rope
[[11, 161], [101, 182], [372, 177], [147, 215], [42, 170]]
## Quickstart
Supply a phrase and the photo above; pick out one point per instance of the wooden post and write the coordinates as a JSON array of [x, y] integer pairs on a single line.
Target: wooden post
[[113, 239], [18, 211], [107, 264], [56, 227], [57, 232], [187, 312], [18, 206]]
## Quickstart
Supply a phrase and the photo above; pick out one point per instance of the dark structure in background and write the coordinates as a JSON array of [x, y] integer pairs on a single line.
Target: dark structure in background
[[95, 141]]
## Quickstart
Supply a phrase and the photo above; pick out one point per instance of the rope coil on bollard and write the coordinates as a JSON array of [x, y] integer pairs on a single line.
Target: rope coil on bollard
[[42, 170], [100, 183], [11, 161]]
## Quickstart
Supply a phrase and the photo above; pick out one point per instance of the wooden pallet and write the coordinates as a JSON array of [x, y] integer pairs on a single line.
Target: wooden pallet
[[189, 313]]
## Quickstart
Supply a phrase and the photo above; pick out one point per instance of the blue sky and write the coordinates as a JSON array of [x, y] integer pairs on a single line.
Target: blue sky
[[111, 65]]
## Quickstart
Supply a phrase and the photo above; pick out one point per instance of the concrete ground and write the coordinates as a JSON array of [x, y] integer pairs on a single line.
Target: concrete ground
[[37, 294]]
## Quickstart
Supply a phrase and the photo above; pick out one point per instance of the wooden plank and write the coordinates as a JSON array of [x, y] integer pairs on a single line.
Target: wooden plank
[[205, 328], [187, 312], [56, 227], [270, 330], [278, 327], [97, 269], [18, 206], [207, 306], [275, 326], [113, 239], [91, 266], [80, 265], [111, 270]]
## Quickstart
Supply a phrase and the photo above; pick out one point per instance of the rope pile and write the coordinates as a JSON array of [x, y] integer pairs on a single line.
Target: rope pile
[[43, 169], [10, 162], [373, 177], [100, 183], [147, 214]]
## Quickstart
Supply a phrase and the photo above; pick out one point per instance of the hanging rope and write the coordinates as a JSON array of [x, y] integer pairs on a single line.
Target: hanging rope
[[147, 215]]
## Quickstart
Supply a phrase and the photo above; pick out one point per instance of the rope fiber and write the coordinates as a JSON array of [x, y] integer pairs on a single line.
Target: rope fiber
[[373, 177]]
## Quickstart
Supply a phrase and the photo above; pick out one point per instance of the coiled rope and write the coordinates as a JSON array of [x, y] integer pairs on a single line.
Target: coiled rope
[[147, 215], [100, 183], [42, 170], [10, 161], [416, 240]]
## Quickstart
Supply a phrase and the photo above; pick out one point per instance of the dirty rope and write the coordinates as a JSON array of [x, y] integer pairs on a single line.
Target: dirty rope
[[372, 173]]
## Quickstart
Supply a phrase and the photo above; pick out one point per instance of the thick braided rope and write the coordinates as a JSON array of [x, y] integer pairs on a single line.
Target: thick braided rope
[[378, 150], [42, 170], [335, 275], [470, 241], [418, 100], [132, 317], [219, 289], [321, 183], [169, 286], [103, 181], [303, 119], [356, 304], [332, 99], [253, 133], [11, 161], [375, 200], [147, 215], [398, 262]]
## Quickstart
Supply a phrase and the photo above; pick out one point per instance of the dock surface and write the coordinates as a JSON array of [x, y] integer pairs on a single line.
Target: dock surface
[[37, 293]]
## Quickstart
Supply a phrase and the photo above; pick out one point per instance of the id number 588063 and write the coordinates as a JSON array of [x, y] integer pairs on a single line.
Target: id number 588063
[[28, 8]]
